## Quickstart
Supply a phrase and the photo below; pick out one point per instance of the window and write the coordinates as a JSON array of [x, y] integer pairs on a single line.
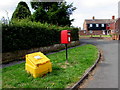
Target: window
[[91, 25], [97, 25], [103, 25], [91, 31]]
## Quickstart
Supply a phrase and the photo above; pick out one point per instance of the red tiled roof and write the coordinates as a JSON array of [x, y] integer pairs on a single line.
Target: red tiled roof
[[88, 21]]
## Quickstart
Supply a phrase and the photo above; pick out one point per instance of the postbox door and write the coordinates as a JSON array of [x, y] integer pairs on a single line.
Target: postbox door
[[69, 37], [65, 36]]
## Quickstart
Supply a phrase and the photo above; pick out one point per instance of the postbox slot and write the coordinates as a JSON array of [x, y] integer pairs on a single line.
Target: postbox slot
[[68, 33]]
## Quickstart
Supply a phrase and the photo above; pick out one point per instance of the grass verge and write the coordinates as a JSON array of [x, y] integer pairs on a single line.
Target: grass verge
[[95, 36], [106, 36], [62, 76]]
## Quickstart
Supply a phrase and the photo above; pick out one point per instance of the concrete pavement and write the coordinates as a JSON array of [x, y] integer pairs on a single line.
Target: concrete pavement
[[106, 76]]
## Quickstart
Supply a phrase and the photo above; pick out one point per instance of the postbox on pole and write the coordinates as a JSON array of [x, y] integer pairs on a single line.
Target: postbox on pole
[[65, 39], [65, 36]]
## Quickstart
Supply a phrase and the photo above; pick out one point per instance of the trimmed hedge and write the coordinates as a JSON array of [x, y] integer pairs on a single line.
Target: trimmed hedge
[[26, 34]]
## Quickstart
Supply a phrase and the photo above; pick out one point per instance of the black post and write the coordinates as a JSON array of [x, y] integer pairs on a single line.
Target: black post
[[66, 53]]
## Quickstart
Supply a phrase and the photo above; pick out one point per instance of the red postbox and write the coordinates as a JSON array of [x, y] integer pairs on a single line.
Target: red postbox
[[65, 36]]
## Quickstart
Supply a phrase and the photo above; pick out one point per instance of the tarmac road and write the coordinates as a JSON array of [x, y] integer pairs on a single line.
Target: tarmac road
[[106, 75]]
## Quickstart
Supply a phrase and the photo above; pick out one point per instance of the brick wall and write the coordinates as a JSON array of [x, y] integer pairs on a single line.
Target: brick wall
[[96, 32], [85, 26], [20, 54], [82, 32], [117, 25]]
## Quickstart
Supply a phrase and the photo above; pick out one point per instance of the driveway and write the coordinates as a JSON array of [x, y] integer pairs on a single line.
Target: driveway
[[106, 75]]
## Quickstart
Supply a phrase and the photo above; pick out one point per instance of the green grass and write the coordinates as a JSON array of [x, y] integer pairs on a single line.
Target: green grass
[[84, 35], [94, 35], [0, 78], [62, 76], [106, 36]]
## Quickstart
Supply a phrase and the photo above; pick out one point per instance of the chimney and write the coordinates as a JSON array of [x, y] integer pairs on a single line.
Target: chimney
[[93, 18], [113, 17]]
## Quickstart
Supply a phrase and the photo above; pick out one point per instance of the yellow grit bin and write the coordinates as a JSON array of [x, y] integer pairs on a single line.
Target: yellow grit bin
[[37, 64]]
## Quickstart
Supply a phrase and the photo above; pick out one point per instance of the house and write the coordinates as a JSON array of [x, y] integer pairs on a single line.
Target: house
[[98, 26], [117, 26], [115, 29]]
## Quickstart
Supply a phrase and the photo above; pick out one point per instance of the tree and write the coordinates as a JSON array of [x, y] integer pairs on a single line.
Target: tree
[[64, 13], [22, 11], [56, 12], [40, 15], [45, 5]]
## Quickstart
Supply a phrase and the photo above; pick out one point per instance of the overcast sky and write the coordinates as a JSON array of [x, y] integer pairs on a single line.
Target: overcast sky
[[86, 9]]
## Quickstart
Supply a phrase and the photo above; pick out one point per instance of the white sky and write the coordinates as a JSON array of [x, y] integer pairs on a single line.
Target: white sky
[[86, 9]]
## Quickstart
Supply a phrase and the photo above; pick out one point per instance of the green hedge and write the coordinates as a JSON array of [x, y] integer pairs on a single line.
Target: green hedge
[[26, 34]]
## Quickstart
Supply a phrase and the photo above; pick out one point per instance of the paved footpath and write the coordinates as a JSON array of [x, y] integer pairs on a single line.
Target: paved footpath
[[106, 75]]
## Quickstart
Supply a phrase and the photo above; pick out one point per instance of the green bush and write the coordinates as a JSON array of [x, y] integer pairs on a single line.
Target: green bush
[[26, 34]]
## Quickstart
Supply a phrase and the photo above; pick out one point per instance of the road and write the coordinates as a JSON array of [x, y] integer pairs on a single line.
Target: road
[[106, 75]]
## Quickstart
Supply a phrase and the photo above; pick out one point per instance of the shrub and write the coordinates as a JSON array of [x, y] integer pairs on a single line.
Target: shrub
[[26, 34]]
